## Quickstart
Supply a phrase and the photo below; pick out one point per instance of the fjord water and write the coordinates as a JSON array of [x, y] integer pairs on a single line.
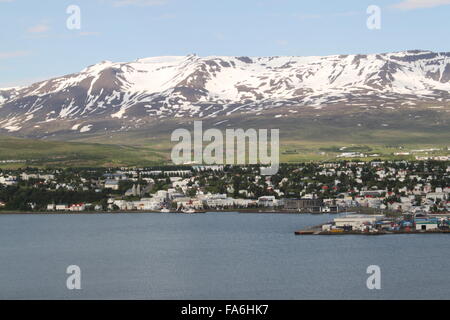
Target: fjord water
[[212, 256]]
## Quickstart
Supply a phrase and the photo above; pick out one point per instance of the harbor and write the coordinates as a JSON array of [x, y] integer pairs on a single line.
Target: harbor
[[355, 224]]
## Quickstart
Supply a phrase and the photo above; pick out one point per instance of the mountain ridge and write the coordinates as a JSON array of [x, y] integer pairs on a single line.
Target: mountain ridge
[[123, 96]]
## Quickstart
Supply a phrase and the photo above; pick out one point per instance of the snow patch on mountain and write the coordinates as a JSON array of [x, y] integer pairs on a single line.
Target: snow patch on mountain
[[86, 128], [192, 86]]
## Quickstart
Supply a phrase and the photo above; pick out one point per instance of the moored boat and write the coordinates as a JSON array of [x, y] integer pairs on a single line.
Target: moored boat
[[188, 211]]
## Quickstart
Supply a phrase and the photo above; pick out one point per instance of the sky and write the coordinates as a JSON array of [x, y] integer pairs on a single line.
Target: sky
[[36, 42]]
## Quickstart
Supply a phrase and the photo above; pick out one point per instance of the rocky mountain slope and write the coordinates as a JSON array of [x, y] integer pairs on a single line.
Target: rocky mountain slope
[[119, 97]]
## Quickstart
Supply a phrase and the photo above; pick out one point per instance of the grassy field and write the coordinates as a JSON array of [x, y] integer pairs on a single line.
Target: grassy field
[[312, 135], [55, 153], [60, 154]]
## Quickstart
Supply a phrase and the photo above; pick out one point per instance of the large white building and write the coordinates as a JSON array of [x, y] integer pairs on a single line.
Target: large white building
[[356, 221]]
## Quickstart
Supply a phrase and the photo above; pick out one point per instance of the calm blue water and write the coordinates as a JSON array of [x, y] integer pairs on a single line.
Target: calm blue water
[[211, 256]]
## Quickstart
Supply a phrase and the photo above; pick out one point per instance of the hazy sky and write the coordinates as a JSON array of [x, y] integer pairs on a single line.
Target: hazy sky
[[36, 44]]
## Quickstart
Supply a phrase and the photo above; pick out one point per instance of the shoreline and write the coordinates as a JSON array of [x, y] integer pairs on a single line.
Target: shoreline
[[360, 233], [261, 211], [317, 231]]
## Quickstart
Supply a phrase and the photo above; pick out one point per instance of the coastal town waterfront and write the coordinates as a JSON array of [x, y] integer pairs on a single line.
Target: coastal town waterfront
[[96, 219], [387, 187]]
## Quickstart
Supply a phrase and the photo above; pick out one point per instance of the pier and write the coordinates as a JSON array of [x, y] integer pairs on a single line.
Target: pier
[[380, 225]]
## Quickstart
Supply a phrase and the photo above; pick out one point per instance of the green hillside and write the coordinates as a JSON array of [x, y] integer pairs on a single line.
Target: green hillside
[[309, 135], [57, 153]]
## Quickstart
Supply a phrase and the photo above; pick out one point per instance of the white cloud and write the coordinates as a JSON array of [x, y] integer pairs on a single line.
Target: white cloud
[[417, 4], [307, 16], [142, 3], [40, 28], [13, 54]]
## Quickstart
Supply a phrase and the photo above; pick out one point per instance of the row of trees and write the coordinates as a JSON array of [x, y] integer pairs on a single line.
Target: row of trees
[[23, 199]]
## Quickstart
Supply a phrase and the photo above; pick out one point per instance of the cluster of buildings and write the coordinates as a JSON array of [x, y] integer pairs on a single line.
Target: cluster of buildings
[[76, 207], [433, 154], [8, 180], [421, 199], [434, 158], [383, 224], [402, 186], [178, 201]]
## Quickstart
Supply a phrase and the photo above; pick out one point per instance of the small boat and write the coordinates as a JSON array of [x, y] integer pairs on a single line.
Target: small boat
[[165, 210], [188, 211]]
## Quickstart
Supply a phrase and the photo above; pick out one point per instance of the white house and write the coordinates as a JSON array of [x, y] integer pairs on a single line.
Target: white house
[[77, 207], [147, 204], [437, 195], [8, 181], [267, 201]]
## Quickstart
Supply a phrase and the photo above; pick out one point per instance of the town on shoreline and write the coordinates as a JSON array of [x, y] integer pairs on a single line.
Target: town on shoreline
[[392, 188]]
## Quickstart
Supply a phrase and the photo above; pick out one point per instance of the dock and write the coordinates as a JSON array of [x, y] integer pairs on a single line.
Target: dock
[[373, 225], [372, 233]]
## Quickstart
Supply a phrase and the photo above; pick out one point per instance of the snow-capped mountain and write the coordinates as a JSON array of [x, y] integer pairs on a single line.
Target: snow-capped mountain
[[123, 96]]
